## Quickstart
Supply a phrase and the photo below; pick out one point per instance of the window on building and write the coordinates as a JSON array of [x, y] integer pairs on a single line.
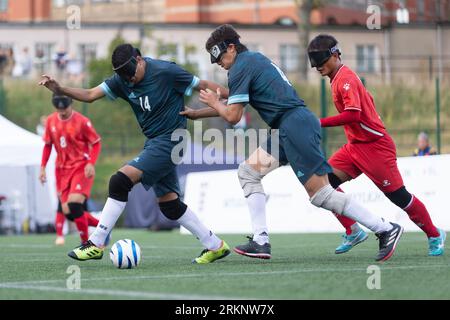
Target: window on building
[[367, 59], [420, 10], [44, 55], [253, 47], [289, 54], [3, 5], [87, 52], [63, 3]]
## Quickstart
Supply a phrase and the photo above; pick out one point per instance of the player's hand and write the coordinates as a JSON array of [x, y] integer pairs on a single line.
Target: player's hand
[[50, 83], [89, 170], [209, 97], [42, 176], [189, 113]]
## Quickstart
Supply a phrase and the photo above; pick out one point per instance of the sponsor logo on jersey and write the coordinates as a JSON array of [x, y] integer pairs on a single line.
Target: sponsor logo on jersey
[[132, 96], [386, 183], [78, 187]]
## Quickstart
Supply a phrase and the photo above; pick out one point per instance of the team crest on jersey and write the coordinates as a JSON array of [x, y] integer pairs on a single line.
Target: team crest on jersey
[[78, 187], [347, 86], [53, 129]]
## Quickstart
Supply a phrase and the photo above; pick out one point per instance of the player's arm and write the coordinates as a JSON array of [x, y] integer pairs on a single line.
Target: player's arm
[[94, 141], [89, 169], [84, 95], [348, 91], [206, 84], [195, 114], [232, 113], [346, 117], [45, 157]]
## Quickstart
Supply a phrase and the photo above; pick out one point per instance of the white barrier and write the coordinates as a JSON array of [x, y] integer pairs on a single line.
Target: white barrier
[[218, 200]]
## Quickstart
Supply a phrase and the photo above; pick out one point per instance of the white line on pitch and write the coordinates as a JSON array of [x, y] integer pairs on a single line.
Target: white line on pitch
[[122, 293], [234, 274]]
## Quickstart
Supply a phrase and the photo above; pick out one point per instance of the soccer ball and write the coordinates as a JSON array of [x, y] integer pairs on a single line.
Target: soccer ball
[[125, 254]]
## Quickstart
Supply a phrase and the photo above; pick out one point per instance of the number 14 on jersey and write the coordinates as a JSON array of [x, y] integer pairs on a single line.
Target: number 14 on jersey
[[145, 105]]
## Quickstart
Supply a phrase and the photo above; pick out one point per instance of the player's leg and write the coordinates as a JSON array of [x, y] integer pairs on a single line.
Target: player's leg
[[308, 162], [344, 170], [59, 225], [167, 191], [60, 213], [120, 184], [418, 214], [250, 174], [80, 190], [378, 161], [67, 196], [76, 214], [92, 221]]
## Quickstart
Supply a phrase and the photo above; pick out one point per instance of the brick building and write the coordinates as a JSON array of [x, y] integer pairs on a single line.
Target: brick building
[[220, 11]]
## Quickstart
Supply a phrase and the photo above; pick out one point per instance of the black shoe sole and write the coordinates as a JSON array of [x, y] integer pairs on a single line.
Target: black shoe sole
[[264, 256]]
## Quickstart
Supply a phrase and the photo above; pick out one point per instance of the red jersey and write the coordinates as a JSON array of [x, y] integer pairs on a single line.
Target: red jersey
[[350, 94], [71, 138]]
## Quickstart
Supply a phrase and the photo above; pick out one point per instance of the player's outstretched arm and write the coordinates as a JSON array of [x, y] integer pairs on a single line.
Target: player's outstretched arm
[[84, 95], [206, 84], [232, 113], [195, 114]]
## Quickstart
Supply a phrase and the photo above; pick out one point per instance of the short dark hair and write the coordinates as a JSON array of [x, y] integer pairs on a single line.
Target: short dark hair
[[222, 33], [322, 42], [122, 53]]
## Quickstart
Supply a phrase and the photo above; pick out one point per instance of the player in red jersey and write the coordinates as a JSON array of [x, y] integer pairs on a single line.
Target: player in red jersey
[[78, 146], [370, 149]]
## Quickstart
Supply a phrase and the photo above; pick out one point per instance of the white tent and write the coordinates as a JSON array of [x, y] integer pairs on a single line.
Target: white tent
[[27, 201]]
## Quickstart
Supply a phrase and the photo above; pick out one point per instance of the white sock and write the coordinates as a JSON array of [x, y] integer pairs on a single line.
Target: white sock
[[190, 221], [357, 212], [257, 206], [110, 213]]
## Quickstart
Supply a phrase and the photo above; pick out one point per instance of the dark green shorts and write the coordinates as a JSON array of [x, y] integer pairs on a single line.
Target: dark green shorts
[[156, 163], [299, 144]]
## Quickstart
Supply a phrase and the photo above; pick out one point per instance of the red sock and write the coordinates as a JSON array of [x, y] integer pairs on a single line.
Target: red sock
[[346, 222], [82, 226], [420, 216], [92, 222], [59, 223]]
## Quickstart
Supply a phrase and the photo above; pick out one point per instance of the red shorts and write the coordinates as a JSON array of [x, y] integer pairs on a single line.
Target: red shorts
[[72, 181], [377, 160]]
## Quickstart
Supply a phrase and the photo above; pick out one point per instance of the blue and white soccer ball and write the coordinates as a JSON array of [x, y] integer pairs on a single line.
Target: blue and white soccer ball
[[125, 254]]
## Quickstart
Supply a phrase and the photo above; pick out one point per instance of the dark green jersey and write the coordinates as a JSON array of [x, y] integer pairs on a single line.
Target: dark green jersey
[[158, 98], [254, 79]]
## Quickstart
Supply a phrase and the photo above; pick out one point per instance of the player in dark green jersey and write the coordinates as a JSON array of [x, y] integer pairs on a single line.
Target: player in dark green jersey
[[155, 90]]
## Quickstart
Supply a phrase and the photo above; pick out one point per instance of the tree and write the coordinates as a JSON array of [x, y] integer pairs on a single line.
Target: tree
[[304, 8], [100, 69]]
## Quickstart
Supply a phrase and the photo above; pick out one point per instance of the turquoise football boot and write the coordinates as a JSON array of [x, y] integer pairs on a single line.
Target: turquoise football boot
[[351, 240], [436, 245]]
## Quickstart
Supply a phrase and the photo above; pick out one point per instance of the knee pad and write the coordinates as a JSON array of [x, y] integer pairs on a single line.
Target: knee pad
[[400, 197], [76, 210], [173, 209], [250, 179], [334, 180], [119, 186], [330, 199]]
